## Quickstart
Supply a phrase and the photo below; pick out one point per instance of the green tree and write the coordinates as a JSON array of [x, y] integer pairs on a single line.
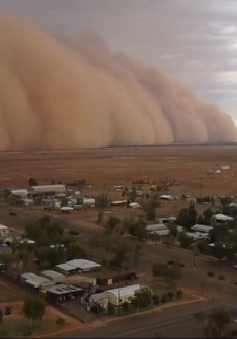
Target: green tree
[[6, 193], [215, 322], [208, 214], [32, 181], [225, 201], [60, 322], [33, 308], [142, 298], [127, 223], [64, 202], [138, 229], [136, 257], [151, 206], [75, 250], [111, 223], [183, 218], [100, 216]]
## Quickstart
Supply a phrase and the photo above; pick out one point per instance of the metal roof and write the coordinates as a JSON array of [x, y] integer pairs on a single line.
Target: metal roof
[[37, 281], [124, 291], [62, 289], [3, 227], [52, 274], [28, 275], [82, 263], [66, 267], [202, 228]]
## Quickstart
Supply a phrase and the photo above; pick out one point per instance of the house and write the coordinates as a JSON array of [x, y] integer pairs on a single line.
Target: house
[[88, 201], [156, 227], [118, 296], [100, 298], [20, 192], [202, 228], [27, 275], [36, 282], [4, 230], [60, 293], [134, 205], [83, 265], [66, 269], [47, 190], [56, 277], [222, 218], [166, 197], [118, 203]]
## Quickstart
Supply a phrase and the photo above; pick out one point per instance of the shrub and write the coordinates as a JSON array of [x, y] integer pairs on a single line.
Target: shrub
[[221, 277], [170, 262], [170, 295], [156, 299], [182, 265], [110, 309], [235, 282], [163, 298], [210, 274], [125, 306], [179, 294]]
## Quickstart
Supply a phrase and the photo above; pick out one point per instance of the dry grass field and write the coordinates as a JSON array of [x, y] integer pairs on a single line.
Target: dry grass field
[[188, 165]]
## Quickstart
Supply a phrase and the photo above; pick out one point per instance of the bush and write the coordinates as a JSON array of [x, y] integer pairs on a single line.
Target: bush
[[235, 282], [110, 309], [210, 274], [163, 298], [170, 295], [179, 294], [182, 265], [170, 262], [221, 277], [125, 306], [156, 299]]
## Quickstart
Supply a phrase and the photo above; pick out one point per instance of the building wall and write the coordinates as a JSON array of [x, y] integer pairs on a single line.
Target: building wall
[[114, 300], [4, 232]]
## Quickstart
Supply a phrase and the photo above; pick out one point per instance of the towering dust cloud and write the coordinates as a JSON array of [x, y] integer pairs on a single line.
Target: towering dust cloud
[[63, 94]]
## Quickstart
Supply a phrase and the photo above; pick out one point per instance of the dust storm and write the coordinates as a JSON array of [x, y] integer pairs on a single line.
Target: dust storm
[[61, 93]]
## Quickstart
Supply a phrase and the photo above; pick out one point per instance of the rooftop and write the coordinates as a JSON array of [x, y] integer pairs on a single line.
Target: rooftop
[[82, 263], [61, 289], [52, 274], [128, 290], [66, 267], [37, 280], [202, 228], [3, 227]]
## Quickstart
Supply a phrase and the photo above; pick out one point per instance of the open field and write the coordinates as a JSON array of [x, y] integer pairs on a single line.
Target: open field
[[10, 292], [188, 165]]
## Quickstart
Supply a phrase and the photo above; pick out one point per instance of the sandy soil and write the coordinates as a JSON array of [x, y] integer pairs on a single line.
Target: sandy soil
[[188, 165]]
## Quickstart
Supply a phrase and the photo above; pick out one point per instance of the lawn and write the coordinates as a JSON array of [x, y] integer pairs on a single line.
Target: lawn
[[10, 292], [18, 328]]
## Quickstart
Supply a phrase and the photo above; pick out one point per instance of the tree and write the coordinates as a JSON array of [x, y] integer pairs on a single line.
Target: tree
[[33, 308], [100, 216], [215, 322], [75, 250], [137, 257], [225, 201], [93, 241], [60, 322], [183, 218], [64, 202], [127, 223], [138, 229], [32, 181], [151, 206], [142, 298], [208, 214], [121, 252], [102, 201], [111, 223]]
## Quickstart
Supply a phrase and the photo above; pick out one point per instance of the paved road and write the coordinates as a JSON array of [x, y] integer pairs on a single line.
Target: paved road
[[176, 322]]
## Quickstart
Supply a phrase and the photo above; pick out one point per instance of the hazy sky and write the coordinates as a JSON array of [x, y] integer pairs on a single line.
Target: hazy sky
[[194, 41]]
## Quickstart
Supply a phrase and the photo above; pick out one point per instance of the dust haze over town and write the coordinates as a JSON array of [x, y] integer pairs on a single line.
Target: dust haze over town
[[61, 92]]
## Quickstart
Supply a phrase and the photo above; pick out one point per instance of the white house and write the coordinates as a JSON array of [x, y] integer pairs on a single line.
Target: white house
[[156, 227], [222, 217], [166, 197], [88, 201], [202, 228], [56, 277], [4, 230], [83, 265], [134, 205], [118, 296]]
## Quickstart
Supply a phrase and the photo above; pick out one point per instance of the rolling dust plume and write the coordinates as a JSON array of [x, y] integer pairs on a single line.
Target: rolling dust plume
[[59, 93]]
